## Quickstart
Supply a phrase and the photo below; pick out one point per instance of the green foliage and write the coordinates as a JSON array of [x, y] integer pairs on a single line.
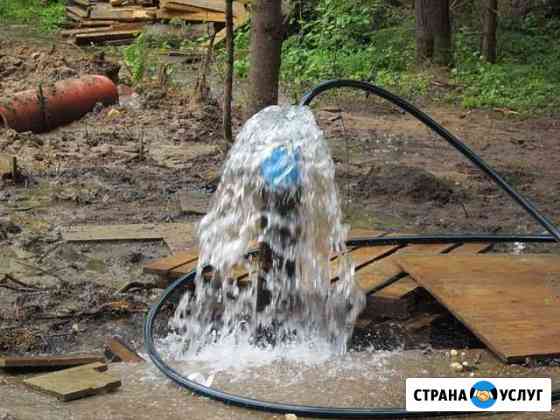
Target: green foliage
[[33, 12], [526, 77], [366, 40], [135, 58]]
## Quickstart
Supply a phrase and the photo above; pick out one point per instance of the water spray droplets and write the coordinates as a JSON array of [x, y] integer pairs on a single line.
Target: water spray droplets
[[277, 190]]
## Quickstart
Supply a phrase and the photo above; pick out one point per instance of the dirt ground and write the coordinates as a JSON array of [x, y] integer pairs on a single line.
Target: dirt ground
[[392, 172]]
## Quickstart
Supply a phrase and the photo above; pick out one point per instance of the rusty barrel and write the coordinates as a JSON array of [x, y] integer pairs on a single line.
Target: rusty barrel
[[48, 107]]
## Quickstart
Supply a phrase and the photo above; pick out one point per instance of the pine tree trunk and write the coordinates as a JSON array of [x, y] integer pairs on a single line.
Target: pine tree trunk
[[489, 30], [228, 88], [441, 30], [266, 46], [424, 37]]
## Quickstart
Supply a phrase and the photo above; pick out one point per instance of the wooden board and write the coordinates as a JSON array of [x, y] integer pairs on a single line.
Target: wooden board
[[200, 16], [508, 302], [111, 232], [86, 23], [71, 384], [97, 37], [407, 284], [77, 11], [55, 362], [178, 236], [129, 14], [73, 32], [373, 274], [214, 5]]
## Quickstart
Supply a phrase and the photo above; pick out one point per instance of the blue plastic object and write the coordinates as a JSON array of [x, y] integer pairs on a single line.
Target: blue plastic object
[[280, 170]]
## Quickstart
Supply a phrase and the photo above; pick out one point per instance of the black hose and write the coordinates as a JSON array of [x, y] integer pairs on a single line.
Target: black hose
[[446, 135], [339, 412]]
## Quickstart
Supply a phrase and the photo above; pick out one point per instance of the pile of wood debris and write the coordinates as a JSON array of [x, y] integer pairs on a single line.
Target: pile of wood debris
[[118, 21]]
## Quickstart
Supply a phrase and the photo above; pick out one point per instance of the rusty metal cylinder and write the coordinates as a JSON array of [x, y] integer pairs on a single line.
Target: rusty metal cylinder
[[48, 107]]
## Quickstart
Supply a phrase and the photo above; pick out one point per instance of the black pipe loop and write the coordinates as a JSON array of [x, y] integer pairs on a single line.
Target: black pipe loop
[[339, 412]]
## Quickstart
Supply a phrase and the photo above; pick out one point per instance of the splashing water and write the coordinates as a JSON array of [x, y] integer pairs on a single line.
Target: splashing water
[[277, 190]]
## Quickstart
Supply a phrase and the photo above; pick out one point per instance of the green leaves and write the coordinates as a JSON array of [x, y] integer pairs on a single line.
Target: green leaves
[[135, 58]]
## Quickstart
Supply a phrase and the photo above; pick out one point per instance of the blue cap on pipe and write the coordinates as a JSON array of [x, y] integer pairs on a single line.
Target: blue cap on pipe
[[280, 169]]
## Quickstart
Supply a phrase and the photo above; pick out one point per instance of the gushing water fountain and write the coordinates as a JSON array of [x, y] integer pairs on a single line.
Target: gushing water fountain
[[277, 190]]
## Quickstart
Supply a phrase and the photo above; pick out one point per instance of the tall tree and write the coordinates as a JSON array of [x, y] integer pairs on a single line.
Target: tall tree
[[489, 27], [267, 32], [228, 88], [441, 29], [424, 36], [433, 32]]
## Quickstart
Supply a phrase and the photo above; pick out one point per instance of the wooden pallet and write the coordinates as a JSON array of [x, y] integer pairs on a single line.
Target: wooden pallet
[[510, 302], [374, 265]]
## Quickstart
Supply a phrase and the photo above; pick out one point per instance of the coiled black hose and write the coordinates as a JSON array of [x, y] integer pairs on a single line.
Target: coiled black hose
[[337, 412]]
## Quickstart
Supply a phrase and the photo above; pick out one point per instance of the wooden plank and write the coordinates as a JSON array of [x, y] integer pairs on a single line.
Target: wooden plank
[[55, 362], [239, 10], [162, 266], [117, 347], [200, 16], [72, 32], [373, 274], [407, 285], [77, 11], [213, 5], [111, 232], [177, 235], [86, 23], [128, 14], [182, 269], [83, 39], [74, 383], [400, 299], [506, 301]]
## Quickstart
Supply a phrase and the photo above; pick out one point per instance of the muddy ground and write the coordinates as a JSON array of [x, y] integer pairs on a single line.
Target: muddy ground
[[393, 175]]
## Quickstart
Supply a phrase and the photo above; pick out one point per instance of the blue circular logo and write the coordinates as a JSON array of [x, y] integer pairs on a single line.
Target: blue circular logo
[[484, 394]]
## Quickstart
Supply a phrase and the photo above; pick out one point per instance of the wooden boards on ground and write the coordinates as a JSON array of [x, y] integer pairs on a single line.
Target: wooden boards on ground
[[71, 384], [177, 236], [399, 299], [510, 302], [184, 262], [43, 362]]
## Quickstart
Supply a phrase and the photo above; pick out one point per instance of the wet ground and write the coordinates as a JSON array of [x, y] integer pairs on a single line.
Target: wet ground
[[392, 172], [361, 380]]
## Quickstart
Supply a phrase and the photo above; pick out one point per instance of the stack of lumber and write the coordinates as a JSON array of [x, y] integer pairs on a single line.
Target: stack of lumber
[[96, 22], [204, 11], [117, 20]]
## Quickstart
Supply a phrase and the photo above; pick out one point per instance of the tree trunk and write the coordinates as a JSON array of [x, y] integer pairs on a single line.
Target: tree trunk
[[441, 30], [228, 88], [433, 32], [424, 37], [489, 30], [267, 32]]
